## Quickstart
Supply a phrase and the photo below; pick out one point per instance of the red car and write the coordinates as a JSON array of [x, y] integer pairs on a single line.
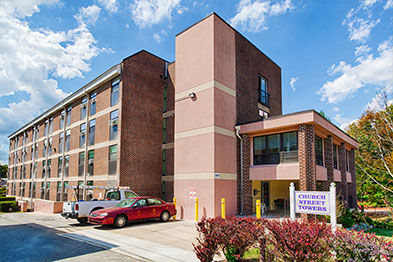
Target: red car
[[132, 209]]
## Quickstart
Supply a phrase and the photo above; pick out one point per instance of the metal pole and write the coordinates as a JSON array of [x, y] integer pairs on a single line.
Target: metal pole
[[174, 202], [292, 201], [223, 208], [196, 209], [333, 211]]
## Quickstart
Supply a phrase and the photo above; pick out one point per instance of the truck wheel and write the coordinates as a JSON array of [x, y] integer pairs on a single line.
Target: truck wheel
[[165, 216], [120, 221], [82, 220]]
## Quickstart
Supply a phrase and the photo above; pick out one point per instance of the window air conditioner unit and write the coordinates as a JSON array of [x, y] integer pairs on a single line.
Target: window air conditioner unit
[[46, 143], [62, 116], [83, 133], [83, 105], [91, 162], [92, 101], [113, 122]]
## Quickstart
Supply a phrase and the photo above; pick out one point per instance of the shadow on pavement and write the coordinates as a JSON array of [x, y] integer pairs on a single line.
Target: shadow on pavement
[[33, 242], [136, 224]]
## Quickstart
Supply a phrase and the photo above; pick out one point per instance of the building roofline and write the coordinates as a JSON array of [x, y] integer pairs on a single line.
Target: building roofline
[[236, 31], [145, 51], [300, 113], [108, 74]]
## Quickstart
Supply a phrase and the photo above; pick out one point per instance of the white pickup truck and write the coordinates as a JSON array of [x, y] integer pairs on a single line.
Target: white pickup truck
[[80, 210]]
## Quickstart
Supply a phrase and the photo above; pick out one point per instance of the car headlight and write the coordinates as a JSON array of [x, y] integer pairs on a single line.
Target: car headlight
[[103, 214]]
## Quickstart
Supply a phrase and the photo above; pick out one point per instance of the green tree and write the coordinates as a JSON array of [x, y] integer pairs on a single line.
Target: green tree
[[3, 171], [374, 159]]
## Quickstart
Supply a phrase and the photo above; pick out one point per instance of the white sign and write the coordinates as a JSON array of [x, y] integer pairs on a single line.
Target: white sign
[[312, 202], [192, 193]]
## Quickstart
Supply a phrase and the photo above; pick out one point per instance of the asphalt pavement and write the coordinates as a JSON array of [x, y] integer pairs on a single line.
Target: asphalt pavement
[[34, 242]]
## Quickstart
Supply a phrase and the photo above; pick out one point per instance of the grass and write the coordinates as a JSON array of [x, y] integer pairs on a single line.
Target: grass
[[252, 253], [383, 232]]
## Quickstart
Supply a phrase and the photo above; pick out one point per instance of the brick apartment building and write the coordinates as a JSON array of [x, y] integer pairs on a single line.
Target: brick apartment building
[[209, 123]]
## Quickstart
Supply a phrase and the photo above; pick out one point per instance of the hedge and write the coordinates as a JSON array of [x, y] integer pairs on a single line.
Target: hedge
[[286, 240], [9, 206], [7, 199]]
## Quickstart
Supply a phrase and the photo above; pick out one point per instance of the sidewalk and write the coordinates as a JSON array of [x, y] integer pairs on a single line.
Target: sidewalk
[[148, 241]]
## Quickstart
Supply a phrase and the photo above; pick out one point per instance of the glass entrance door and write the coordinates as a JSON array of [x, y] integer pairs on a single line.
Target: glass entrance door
[[265, 193]]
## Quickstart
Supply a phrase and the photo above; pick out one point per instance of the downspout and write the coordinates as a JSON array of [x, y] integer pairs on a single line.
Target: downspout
[[241, 169]]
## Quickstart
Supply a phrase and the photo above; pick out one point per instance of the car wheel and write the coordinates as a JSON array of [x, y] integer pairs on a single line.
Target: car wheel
[[165, 216], [120, 221], [82, 220]]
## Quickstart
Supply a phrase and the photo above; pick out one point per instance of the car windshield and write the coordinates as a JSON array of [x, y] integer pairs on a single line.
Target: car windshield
[[126, 203]]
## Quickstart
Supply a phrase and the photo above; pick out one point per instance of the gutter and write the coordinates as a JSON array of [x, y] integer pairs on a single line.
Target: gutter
[[241, 169]]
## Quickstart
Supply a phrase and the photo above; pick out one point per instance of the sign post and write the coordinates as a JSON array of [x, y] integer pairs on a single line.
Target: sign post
[[314, 202]]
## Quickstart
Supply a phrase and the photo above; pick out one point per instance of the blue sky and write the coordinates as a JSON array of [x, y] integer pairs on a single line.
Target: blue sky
[[335, 56]]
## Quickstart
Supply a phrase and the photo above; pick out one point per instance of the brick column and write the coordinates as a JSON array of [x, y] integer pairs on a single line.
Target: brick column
[[306, 154], [342, 187], [352, 186], [247, 184], [328, 152]]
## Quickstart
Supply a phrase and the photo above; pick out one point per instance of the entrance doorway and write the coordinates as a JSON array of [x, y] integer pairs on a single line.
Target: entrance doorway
[[265, 193]]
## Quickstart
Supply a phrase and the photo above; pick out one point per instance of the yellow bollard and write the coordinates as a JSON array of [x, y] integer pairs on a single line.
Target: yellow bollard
[[223, 208], [196, 209], [174, 202], [258, 208]]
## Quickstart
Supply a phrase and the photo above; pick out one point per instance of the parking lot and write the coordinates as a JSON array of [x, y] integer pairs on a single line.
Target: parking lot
[[140, 241]]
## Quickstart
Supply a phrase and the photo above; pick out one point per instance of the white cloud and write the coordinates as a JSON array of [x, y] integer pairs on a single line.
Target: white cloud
[[251, 15], [362, 50], [88, 15], [22, 8], [368, 3], [292, 82], [158, 36], [359, 28], [146, 13], [370, 70], [342, 122], [336, 109], [181, 10], [109, 5], [31, 59], [389, 4]]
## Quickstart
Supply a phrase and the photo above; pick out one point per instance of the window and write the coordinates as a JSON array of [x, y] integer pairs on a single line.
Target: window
[[92, 129], [275, 149], [47, 194], [80, 190], [60, 166], [45, 147], [163, 162], [115, 91], [31, 170], [36, 150], [58, 192], [33, 192], [49, 165], [65, 191], [153, 202], [82, 135], [114, 195], [66, 165], [347, 160], [81, 168], [129, 194], [83, 107], [112, 160], [50, 125], [263, 94], [90, 167], [50, 146], [164, 131], [24, 171], [335, 160], [69, 115], [61, 142], [32, 152], [164, 106], [89, 191], [43, 168], [37, 134], [113, 125], [42, 190], [67, 140], [22, 189], [35, 169], [93, 103], [62, 116], [263, 114], [46, 129], [318, 151]]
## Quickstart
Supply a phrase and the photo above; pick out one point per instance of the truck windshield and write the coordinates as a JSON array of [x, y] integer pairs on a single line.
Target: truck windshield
[[126, 203]]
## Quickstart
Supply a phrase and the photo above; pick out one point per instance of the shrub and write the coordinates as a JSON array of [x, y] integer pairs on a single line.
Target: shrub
[[8, 206], [304, 240], [7, 199], [357, 246], [346, 220], [208, 240]]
